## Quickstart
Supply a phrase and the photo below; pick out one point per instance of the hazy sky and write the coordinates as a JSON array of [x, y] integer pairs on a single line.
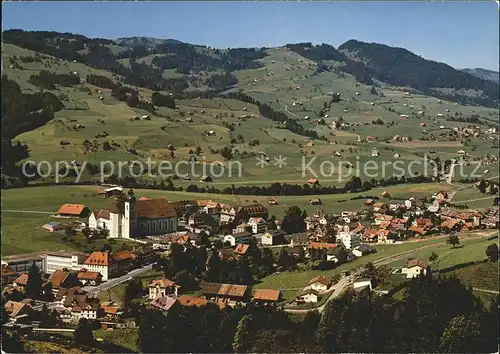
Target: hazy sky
[[461, 34]]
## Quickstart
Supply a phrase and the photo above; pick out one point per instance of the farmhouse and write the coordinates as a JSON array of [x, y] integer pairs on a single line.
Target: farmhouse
[[307, 296], [98, 262], [226, 294], [73, 210], [258, 225], [240, 237], [162, 287], [273, 237], [52, 226], [319, 283], [266, 296], [414, 267], [89, 278]]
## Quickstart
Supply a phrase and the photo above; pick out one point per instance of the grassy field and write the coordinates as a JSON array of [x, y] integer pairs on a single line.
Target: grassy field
[[21, 231], [482, 275], [469, 250], [126, 338], [293, 79]]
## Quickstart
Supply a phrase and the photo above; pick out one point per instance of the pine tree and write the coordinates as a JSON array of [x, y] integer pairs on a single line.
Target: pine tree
[[34, 284]]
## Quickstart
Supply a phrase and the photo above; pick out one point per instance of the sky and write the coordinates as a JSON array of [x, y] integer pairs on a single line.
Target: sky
[[461, 34]]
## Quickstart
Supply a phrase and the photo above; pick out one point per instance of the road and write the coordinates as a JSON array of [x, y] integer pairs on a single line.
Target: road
[[345, 282], [286, 110], [115, 281], [27, 211]]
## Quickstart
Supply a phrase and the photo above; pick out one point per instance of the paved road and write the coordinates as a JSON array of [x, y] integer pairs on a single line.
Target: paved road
[[115, 281], [27, 211], [486, 291]]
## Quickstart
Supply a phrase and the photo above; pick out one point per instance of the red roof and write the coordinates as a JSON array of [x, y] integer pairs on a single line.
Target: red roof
[[98, 258], [71, 209], [322, 245]]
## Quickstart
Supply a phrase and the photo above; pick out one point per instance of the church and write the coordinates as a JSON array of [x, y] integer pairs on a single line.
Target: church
[[133, 218]]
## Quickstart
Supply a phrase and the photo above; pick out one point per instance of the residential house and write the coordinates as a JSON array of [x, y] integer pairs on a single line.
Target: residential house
[[164, 303], [89, 278], [225, 294], [21, 281], [16, 309], [73, 210], [307, 296], [294, 251], [58, 279], [240, 237], [113, 192], [266, 296], [258, 225], [52, 226], [299, 238], [99, 262], [321, 245], [414, 268], [273, 237], [379, 206], [89, 310], [313, 181], [162, 287], [241, 249], [315, 201], [8, 274], [200, 219], [320, 283], [350, 240], [272, 201], [362, 250], [363, 283], [122, 262]]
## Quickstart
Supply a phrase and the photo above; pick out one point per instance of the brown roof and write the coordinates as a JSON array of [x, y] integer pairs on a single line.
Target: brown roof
[[266, 295], [187, 300], [102, 214], [241, 249], [98, 258], [58, 277], [72, 209], [155, 209], [322, 245], [13, 308], [164, 303], [22, 279], [312, 181], [112, 310], [320, 279], [253, 208], [6, 270], [87, 275], [162, 283], [416, 262], [379, 205], [307, 291], [143, 198], [225, 289], [122, 255]]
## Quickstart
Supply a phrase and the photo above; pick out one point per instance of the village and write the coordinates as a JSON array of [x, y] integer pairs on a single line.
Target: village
[[159, 230]]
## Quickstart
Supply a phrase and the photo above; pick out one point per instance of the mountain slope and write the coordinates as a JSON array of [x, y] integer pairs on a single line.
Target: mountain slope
[[483, 74], [400, 67]]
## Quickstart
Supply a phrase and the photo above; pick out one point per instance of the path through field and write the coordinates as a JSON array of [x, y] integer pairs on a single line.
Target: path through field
[[27, 211]]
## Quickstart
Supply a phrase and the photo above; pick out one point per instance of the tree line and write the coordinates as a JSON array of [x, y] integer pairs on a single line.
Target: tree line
[[427, 319], [47, 80]]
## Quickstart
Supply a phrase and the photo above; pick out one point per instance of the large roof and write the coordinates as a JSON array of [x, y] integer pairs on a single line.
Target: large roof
[[71, 209], [58, 277], [155, 209], [98, 258], [266, 294], [225, 289], [162, 283]]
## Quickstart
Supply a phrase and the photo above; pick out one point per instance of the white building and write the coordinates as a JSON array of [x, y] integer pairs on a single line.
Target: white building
[[126, 219], [319, 284], [414, 268], [362, 283], [71, 261], [162, 287], [258, 225], [307, 296], [350, 240], [99, 262]]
